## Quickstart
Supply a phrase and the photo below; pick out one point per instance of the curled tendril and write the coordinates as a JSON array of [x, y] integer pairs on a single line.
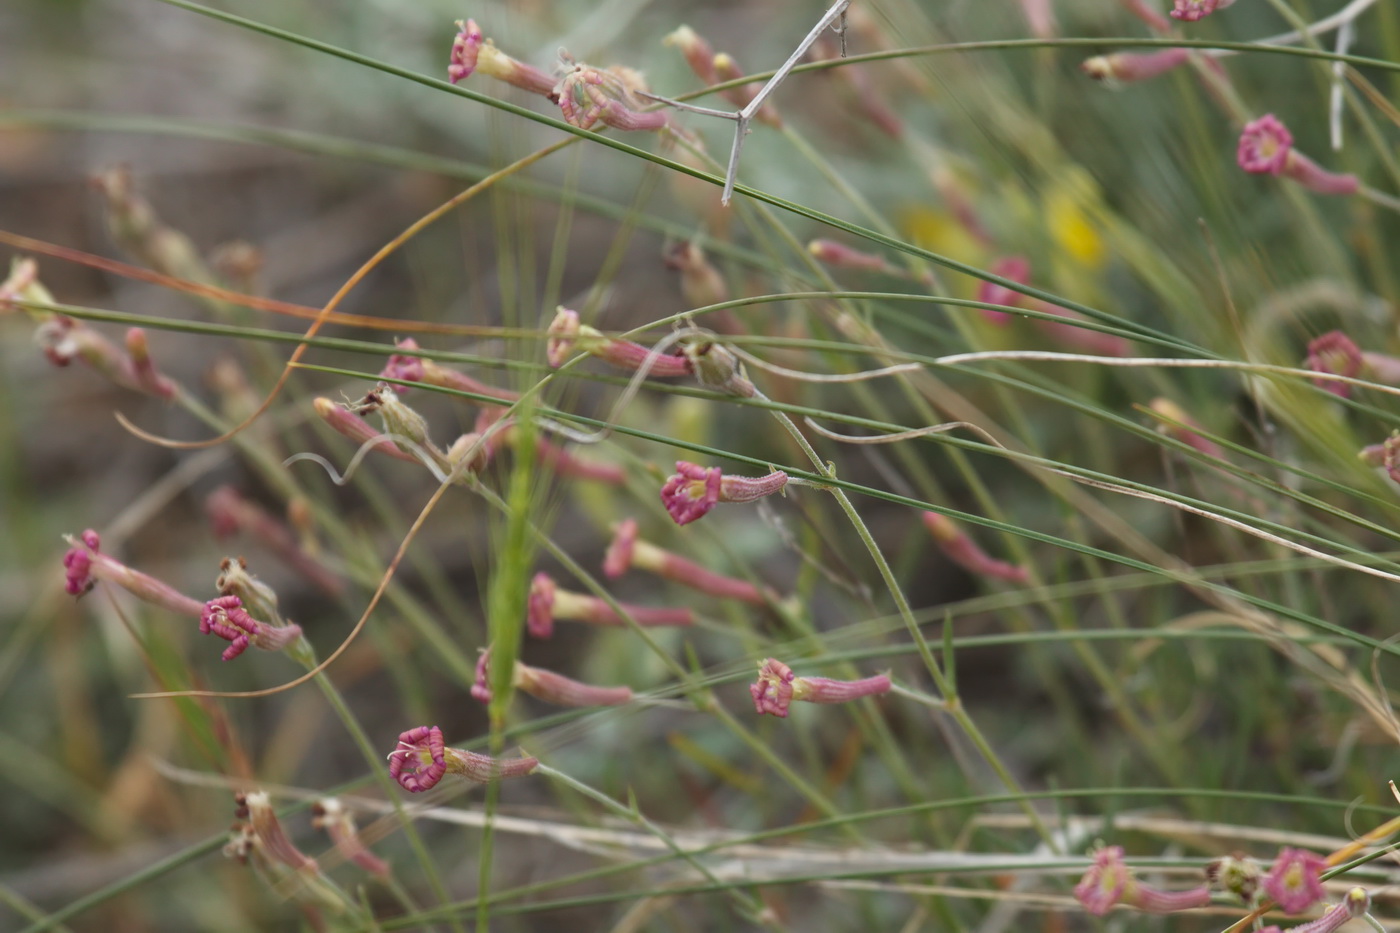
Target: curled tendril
[[340, 479]]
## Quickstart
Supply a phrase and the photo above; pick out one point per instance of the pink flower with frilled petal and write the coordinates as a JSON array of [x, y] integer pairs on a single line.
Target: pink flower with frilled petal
[[465, 49], [547, 602], [777, 687], [1106, 881], [1264, 146], [422, 758], [1294, 882], [691, 492], [419, 761], [772, 692], [225, 617]]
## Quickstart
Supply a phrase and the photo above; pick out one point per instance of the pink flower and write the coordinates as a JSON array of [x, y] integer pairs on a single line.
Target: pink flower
[[1015, 268], [84, 563], [1266, 147], [63, 340], [777, 687], [1110, 881], [693, 490], [1294, 882], [471, 52], [1105, 883], [1264, 144], [422, 759], [1334, 353], [225, 617], [77, 563], [465, 49], [1191, 10]]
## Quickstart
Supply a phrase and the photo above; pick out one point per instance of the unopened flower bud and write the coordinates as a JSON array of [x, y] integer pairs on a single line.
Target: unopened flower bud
[[402, 422], [698, 53], [408, 367], [548, 602], [1127, 67], [346, 422], [567, 336], [963, 551], [548, 686], [832, 253], [627, 551]]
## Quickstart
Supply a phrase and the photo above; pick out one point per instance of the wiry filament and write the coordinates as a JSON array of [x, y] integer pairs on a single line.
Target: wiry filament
[[825, 377], [904, 435]]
